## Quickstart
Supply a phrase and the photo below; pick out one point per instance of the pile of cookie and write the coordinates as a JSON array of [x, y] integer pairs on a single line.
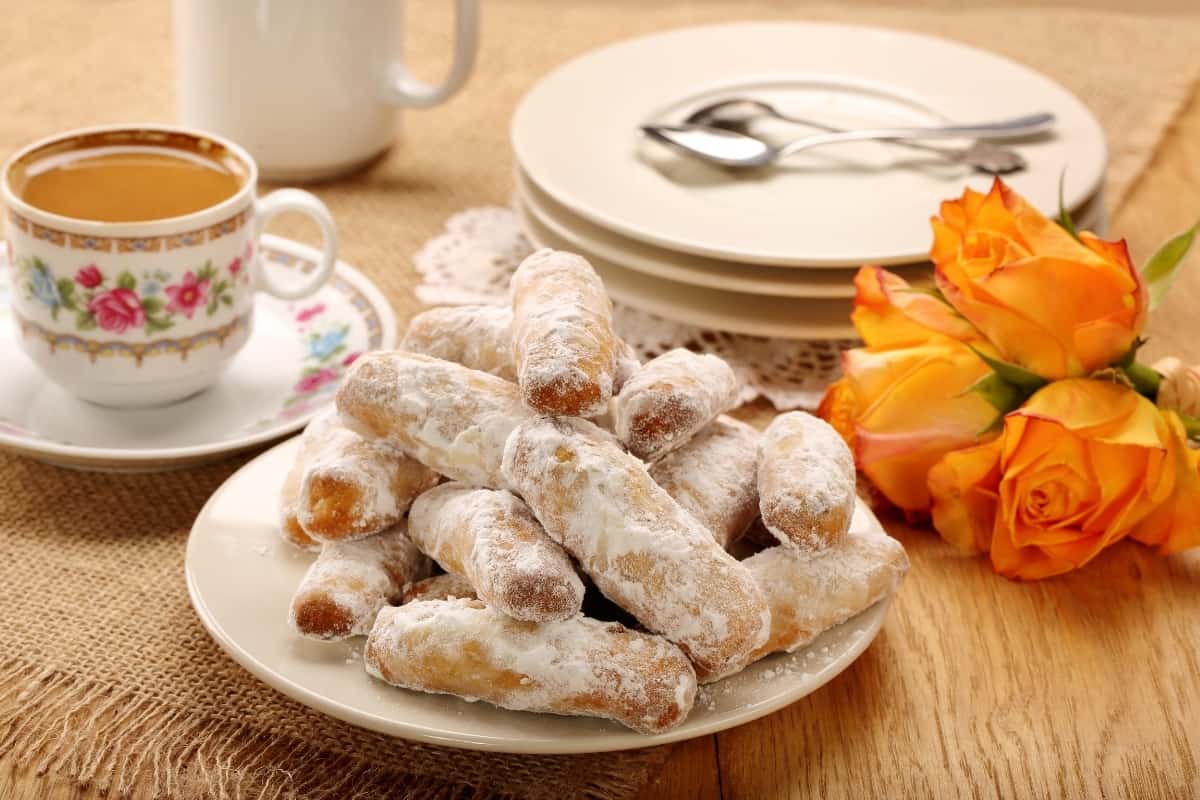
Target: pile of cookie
[[581, 512]]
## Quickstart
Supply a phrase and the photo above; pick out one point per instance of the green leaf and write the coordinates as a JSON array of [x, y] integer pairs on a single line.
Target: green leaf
[[207, 272], [1144, 379], [84, 320], [152, 305], [126, 281], [227, 299], [212, 306], [66, 291], [220, 287], [154, 324], [54, 312], [1064, 216], [1160, 271], [1012, 373]]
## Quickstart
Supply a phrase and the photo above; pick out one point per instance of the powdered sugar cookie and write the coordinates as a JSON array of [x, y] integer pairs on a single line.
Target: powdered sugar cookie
[[714, 477], [491, 538], [353, 487], [671, 398], [450, 418], [811, 591], [478, 337], [640, 548], [578, 666], [349, 582], [562, 340], [806, 481]]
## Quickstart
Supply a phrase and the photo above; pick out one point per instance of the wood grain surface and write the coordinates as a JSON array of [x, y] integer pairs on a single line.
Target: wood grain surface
[[1084, 686]]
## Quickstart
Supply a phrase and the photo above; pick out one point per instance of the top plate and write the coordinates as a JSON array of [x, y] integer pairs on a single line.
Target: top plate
[[838, 206]]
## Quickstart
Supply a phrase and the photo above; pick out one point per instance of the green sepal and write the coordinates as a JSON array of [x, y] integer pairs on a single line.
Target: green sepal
[[1144, 379], [999, 393], [1064, 216], [1160, 270], [1017, 375]]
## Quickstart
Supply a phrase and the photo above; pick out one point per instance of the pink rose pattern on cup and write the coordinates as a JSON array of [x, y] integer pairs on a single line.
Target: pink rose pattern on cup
[[308, 393], [126, 303]]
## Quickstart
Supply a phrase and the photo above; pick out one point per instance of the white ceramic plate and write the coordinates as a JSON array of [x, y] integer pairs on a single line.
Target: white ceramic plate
[[591, 240], [285, 374], [576, 135], [241, 577], [735, 312]]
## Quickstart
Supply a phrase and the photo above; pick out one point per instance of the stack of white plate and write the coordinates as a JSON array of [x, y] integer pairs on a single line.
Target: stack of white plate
[[773, 252]]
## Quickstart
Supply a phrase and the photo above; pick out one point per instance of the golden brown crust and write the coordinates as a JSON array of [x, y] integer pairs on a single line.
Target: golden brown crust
[[563, 346]]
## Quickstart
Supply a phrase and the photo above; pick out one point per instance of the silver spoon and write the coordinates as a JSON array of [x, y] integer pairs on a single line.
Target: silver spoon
[[733, 149], [739, 113]]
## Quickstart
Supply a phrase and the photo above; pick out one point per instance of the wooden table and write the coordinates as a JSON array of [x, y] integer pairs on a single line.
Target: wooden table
[[1084, 686]]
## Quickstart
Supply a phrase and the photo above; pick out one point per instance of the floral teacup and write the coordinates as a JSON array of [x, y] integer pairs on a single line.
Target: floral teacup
[[145, 313]]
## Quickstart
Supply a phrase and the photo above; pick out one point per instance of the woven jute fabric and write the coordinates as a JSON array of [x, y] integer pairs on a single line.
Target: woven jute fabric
[[105, 673]]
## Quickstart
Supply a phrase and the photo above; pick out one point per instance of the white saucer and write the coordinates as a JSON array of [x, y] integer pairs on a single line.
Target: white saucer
[[735, 312], [285, 374], [835, 207], [241, 577]]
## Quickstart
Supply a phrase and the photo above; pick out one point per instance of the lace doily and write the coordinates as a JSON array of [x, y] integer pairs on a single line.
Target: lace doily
[[473, 259]]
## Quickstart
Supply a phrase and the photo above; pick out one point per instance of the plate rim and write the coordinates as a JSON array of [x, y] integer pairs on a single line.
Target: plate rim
[[875, 615], [130, 458], [843, 331], [648, 235]]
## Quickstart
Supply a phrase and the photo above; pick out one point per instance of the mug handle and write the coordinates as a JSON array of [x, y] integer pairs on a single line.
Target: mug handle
[[405, 90], [306, 203]]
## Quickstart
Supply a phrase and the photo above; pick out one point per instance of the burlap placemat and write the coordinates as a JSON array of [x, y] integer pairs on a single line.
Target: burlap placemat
[[105, 674]]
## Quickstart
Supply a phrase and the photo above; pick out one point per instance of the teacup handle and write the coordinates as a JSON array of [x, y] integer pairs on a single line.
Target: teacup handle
[[306, 203], [405, 90]]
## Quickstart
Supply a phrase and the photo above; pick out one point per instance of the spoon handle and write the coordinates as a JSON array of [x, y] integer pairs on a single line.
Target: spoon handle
[[1020, 126]]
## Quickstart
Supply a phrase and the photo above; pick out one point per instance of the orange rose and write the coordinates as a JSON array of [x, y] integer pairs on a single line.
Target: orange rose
[[1175, 525], [1055, 306], [903, 401], [1082, 465]]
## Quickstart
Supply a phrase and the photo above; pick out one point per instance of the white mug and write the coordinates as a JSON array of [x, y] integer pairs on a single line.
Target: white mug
[[136, 314], [309, 87]]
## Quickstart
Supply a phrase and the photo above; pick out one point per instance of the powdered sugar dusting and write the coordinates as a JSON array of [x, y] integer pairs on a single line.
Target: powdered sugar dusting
[[349, 582], [354, 487], [640, 548], [806, 481], [811, 591], [289, 495], [671, 398], [479, 337], [492, 539], [453, 419], [578, 666], [562, 338], [714, 477], [446, 586]]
